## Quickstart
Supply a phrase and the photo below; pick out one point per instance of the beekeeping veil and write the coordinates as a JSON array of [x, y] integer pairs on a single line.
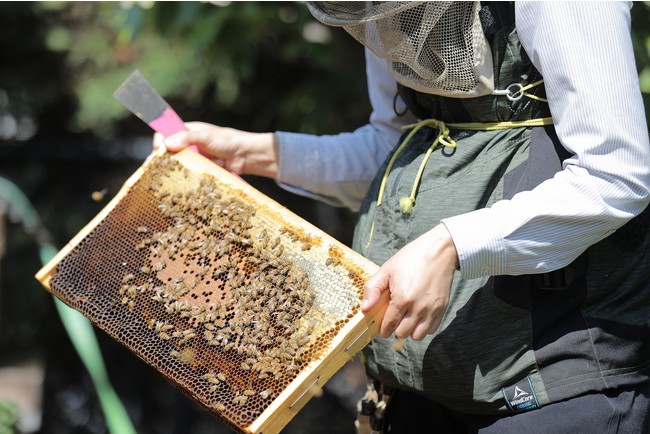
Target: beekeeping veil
[[434, 47]]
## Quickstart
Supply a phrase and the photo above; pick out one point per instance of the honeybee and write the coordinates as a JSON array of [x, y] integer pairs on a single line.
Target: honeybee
[[399, 344], [303, 339], [277, 374], [99, 195], [186, 355], [263, 234], [132, 291], [265, 341], [240, 400], [332, 261]]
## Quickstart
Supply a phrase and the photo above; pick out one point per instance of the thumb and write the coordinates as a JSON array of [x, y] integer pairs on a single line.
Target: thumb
[[158, 141], [177, 142], [372, 290]]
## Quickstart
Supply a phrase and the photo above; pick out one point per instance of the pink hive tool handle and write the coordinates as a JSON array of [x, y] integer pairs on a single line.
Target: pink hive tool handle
[[169, 123]]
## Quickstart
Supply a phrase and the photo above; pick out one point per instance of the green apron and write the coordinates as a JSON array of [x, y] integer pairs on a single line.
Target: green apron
[[506, 343]]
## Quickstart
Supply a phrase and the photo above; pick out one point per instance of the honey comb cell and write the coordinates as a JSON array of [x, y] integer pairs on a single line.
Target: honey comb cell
[[238, 302]]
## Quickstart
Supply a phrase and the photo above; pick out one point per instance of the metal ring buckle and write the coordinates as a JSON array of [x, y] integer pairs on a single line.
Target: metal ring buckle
[[514, 91]]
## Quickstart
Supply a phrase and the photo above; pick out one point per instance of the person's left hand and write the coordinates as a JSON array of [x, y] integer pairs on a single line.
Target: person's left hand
[[419, 278]]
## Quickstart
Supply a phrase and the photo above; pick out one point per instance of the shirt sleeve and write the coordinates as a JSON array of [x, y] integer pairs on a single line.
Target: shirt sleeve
[[338, 169], [584, 52]]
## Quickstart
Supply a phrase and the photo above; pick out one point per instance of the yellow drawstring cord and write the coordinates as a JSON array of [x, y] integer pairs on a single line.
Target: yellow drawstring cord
[[515, 91], [434, 123], [530, 95], [406, 203], [443, 138], [382, 187]]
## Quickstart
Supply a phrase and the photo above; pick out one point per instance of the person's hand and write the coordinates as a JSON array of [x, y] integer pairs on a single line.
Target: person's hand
[[419, 279], [238, 151]]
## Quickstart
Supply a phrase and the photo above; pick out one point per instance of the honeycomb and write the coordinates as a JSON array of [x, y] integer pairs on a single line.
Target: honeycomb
[[232, 298]]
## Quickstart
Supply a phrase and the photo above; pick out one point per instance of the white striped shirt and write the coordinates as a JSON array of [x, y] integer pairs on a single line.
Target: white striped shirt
[[584, 52]]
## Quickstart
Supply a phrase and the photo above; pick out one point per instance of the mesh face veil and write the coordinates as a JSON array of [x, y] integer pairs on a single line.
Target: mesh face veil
[[434, 47]]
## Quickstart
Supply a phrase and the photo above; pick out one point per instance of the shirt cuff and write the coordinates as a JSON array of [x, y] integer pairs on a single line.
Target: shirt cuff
[[481, 249]]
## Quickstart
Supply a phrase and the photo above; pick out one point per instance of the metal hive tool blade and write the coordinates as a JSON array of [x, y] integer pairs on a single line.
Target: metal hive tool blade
[[140, 97]]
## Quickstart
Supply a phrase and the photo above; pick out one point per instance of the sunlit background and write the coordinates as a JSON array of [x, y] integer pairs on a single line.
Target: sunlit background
[[66, 147]]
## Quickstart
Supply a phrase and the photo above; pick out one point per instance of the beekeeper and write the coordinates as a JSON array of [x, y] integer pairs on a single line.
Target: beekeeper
[[501, 183]]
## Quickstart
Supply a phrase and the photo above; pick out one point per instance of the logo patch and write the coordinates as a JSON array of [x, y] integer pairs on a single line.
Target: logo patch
[[521, 396]]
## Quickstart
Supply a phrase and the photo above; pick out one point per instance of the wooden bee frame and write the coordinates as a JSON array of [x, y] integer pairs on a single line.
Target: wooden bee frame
[[299, 290]]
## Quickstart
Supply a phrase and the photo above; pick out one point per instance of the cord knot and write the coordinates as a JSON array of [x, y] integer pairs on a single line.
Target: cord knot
[[406, 203]]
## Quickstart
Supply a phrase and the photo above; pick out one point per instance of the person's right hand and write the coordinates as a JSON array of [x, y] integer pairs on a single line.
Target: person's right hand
[[419, 278], [238, 151]]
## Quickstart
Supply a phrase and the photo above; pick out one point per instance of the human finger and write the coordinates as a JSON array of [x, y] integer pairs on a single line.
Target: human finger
[[424, 328], [407, 324], [372, 290], [158, 141], [179, 141], [392, 319]]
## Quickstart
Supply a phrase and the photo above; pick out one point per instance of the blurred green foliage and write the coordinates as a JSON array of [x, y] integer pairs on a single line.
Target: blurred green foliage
[[262, 65], [8, 417], [259, 66]]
